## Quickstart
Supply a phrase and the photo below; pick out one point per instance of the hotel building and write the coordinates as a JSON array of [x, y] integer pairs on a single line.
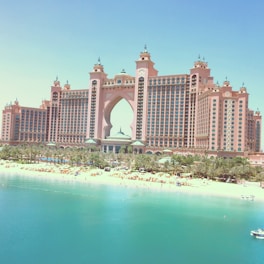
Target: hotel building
[[24, 124], [181, 112], [67, 115]]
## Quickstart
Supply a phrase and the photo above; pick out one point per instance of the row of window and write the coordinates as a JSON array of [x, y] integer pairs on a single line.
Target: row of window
[[168, 80]]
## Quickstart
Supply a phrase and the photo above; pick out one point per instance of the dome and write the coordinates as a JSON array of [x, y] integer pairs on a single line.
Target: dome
[[122, 73]]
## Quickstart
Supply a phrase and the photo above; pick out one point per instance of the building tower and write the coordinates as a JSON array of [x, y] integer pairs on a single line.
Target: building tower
[[95, 102], [197, 105], [257, 134], [144, 70], [53, 125]]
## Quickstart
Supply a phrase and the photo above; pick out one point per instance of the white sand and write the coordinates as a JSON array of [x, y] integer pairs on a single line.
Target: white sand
[[161, 182]]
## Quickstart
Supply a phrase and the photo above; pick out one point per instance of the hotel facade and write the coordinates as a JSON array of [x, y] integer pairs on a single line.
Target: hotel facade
[[182, 112]]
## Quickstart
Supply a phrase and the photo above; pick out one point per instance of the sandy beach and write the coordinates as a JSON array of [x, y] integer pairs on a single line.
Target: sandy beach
[[250, 191]]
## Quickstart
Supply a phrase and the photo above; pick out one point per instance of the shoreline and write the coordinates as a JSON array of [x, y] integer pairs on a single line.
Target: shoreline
[[154, 182]]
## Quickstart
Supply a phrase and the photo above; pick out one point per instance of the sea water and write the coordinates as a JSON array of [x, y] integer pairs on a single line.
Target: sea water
[[43, 221]]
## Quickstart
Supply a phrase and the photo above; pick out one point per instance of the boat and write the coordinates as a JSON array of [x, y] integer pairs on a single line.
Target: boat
[[259, 233]]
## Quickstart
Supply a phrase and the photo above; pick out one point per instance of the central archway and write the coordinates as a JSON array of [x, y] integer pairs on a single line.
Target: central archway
[[121, 118], [113, 101], [107, 92]]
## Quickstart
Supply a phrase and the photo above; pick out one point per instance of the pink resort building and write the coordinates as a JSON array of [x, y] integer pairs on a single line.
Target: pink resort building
[[181, 113]]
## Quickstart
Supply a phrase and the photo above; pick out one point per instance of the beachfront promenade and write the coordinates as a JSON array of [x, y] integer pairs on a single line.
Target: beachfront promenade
[[129, 179]]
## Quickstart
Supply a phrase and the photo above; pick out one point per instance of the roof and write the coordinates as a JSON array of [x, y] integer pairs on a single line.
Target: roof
[[167, 150], [137, 143], [90, 141], [51, 144], [119, 135]]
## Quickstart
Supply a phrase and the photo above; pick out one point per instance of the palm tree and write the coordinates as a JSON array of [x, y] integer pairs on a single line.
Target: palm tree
[[98, 160], [142, 161], [6, 152]]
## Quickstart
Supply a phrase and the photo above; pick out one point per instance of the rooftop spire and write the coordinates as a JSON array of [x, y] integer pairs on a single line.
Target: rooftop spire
[[145, 48], [56, 82], [98, 67]]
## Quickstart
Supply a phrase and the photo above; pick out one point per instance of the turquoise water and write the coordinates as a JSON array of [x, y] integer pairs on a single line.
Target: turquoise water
[[53, 222]]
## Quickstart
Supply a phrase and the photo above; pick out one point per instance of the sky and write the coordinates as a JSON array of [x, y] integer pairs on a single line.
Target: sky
[[42, 39]]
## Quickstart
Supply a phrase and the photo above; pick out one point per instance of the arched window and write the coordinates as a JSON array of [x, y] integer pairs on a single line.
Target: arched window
[[55, 96], [194, 79]]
